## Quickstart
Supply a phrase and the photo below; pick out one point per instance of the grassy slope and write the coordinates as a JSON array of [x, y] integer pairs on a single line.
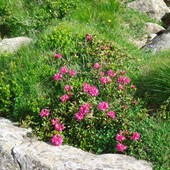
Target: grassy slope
[[109, 20]]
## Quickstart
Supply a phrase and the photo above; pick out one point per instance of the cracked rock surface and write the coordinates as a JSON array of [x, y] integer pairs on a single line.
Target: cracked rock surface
[[18, 152]]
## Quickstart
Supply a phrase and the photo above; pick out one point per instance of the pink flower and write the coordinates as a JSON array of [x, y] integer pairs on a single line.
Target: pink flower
[[101, 74], [89, 37], [121, 79], [135, 136], [120, 147], [93, 91], [57, 76], [54, 121], [59, 127], [125, 106], [79, 116], [86, 87], [44, 113], [126, 80], [97, 66], [68, 88], [120, 87], [64, 70], [111, 73], [57, 140], [105, 80], [111, 114], [133, 86], [57, 56], [120, 137], [65, 98], [103, 106], [85, 108], [123, 72], [72, 73]]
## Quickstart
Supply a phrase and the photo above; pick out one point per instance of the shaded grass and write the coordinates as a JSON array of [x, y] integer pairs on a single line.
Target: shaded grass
[[154, 80]]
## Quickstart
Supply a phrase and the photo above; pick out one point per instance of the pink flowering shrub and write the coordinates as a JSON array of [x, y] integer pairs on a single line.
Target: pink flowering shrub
[[92, 102]]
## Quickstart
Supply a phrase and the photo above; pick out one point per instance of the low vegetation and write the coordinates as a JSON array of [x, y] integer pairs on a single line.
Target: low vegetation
[[82, 82]]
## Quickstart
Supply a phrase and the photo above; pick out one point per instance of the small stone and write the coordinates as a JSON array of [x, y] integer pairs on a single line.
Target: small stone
[[10, 45], [153, 28], [159, 43]]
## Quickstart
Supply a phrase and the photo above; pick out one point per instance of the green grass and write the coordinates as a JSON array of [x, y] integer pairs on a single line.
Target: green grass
[[153, 82], [156, 137], [112, 20], [25, 73]]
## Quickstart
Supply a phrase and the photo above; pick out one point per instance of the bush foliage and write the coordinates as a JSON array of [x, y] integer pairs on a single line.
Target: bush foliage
[[34, 16], [74, 88], [98, 65]]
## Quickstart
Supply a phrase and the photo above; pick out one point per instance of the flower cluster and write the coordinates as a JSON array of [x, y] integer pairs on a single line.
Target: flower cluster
[[44, 113], [89, 37], [57, 55], [58, 127], [111, 114], [98, 105], [64, 70], [83, 110], [111, 73], [103, 106], [123, 80], [105, 80], [57, 140], [122, 136], [68, 88], [91, 90], [97, 66], [65, 98]]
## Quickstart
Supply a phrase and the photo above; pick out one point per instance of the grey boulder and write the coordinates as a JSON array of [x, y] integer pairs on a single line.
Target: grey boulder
[[160, 42], [10, 45], [153, 8], [19, 152]]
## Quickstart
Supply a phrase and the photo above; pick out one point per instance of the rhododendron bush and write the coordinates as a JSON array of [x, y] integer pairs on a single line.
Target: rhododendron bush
[[93, 105]]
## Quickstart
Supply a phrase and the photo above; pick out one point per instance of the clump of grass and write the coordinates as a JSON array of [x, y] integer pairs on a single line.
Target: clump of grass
[[154, 82], [155, 133]]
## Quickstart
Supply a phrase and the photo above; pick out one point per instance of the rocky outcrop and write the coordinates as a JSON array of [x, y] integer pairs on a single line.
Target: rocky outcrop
[[160, 42], [151, 30], [19, 152], [10, 45], [154, 8]]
